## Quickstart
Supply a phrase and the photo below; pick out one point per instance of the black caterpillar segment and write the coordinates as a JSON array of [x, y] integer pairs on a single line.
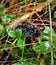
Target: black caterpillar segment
[[29, 28]]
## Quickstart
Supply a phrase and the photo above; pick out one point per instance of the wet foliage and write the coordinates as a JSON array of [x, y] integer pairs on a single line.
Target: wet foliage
[[25, 32]]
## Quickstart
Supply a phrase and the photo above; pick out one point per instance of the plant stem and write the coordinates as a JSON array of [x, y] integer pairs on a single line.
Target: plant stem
[[52, 59], [23, 49]]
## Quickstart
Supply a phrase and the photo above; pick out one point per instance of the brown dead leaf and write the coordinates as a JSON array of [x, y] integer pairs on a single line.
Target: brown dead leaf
[[10, 10], [38, 8], [17, 20], [13, 2]]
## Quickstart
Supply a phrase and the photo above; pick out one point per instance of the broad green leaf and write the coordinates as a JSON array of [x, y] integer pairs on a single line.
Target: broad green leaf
[[15, 33], [21, 43], [18, 33], [2, 35], [7, 29], [1, 27], [37, 48], [2, 6], [43, 48], [47, 30], [6, 18], [55, 14], [44, 37], [47, 45], [54, 37], [12, 34]]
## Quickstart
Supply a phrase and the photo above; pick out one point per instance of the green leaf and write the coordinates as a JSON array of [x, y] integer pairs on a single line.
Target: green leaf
[[1, 5], [21, 40], [2, 34], [1, 28], [36, 48], [47, 45], [44, 37], [18, 33], [55, 53], [23, 63], [47, 30], [43, 48], [7, 29], [47, 60], [9, 1], [55, 14], [25, 1], [54, 44], [21, 43], [12, 34], [15, 34], [6, 18], [54, 37]]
